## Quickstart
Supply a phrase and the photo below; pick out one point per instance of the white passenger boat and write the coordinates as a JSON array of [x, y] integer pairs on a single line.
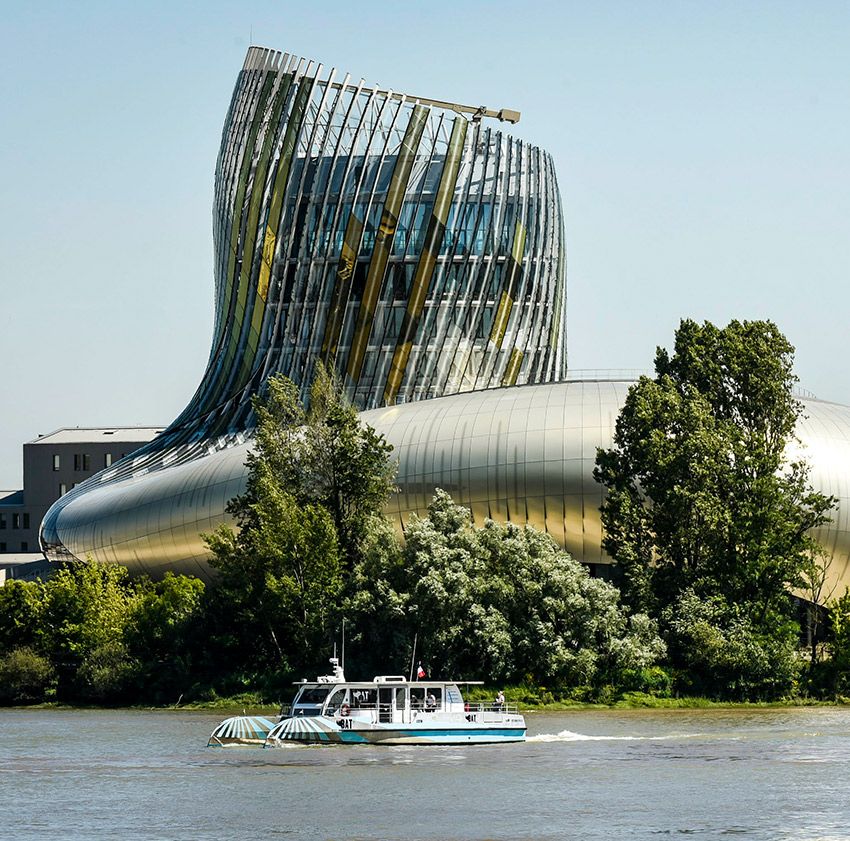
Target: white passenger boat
[[391, 710]]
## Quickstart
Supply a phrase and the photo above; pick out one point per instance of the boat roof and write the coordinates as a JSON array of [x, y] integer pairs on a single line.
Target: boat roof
[[380, 681]]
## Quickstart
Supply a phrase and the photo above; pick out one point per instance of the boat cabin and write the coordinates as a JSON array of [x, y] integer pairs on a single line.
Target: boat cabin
[[386, 699]]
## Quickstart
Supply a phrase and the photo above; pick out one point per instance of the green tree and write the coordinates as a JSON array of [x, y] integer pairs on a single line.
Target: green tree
[[378, 632], [21, 614], [323, 456], [317, 481], [704, 499], [506, 602], [163, 635], [25, 677], [721, 649], [85, 611], [834, 674], [280, 580]]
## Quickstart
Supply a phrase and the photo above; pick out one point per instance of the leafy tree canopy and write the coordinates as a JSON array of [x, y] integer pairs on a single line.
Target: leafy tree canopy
[[317, 482], [505, 602], [701, 491], [704, 500], [322, 456]]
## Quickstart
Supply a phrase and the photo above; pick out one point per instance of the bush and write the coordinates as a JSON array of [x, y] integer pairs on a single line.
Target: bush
[[26, 677], [506, 602], [652, 680], [107, 674], [725, 655]]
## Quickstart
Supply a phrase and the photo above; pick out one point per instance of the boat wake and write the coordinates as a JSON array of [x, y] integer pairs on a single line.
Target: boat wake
[[570, 736]]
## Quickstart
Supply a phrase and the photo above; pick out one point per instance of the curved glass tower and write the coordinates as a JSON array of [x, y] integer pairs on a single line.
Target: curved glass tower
[[407, 242]]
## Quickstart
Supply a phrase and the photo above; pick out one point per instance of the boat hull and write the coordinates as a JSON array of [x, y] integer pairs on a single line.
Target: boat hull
[[241, 731], [322, 730]]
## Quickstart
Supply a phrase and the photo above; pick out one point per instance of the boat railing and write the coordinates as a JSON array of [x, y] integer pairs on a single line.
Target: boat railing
[[388, 708], [489, 707]]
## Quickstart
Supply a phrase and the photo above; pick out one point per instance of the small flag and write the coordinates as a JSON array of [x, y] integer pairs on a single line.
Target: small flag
[[420, 672]]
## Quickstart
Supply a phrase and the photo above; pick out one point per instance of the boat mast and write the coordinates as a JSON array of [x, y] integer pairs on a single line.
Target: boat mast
[[413, 657]]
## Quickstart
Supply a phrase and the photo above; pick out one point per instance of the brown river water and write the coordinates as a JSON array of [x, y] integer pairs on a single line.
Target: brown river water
[[765, 774]]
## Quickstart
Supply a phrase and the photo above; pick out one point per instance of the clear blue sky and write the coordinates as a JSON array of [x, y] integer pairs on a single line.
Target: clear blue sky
[[703, 154]]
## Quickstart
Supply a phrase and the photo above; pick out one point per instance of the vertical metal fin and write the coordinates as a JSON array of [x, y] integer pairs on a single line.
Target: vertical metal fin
[[514, 273], [384, 239], [512, 371], [276, 208], [427, 260], [344, 273]]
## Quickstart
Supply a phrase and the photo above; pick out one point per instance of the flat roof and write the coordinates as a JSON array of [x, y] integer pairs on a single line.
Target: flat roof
[[98, 434], [16, 559]]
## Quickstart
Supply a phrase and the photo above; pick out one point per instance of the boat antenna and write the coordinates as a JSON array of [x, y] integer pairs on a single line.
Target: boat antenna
[[413, 657], [343, 643]]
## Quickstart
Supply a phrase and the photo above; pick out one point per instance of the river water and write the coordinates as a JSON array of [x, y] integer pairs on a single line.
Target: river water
[[765, 774]]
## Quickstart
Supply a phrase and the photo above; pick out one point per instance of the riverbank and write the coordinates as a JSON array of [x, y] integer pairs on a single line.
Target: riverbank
[[632, 701]]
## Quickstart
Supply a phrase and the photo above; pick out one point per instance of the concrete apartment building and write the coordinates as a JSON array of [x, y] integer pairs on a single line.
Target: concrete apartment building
[[53, 464]]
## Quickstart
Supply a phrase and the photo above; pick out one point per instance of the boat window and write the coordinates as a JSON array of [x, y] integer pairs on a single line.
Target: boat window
[[336, 701], [399, 698], [313, 695], [364, 698], [428, 698], [453, 695], [433, 698]]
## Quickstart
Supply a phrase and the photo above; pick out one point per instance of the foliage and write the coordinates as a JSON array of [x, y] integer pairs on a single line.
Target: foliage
[[840, 615], [317, 482], [708, 511], [85, 608], [830, 677], [376, 604], [280, 579], [21, 614], [322, 456], [722, 650], [90, 633], [107, 673], [25, 677], [163, 635], [506, 602]]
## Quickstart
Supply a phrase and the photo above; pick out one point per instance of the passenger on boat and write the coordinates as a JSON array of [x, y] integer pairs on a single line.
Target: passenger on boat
[[430, 703], [500, 700]]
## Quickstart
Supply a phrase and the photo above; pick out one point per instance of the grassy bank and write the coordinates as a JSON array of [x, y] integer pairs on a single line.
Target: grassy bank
[[253, 703]]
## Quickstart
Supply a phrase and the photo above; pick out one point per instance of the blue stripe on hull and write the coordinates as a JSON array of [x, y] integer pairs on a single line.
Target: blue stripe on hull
[[425, 737]]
